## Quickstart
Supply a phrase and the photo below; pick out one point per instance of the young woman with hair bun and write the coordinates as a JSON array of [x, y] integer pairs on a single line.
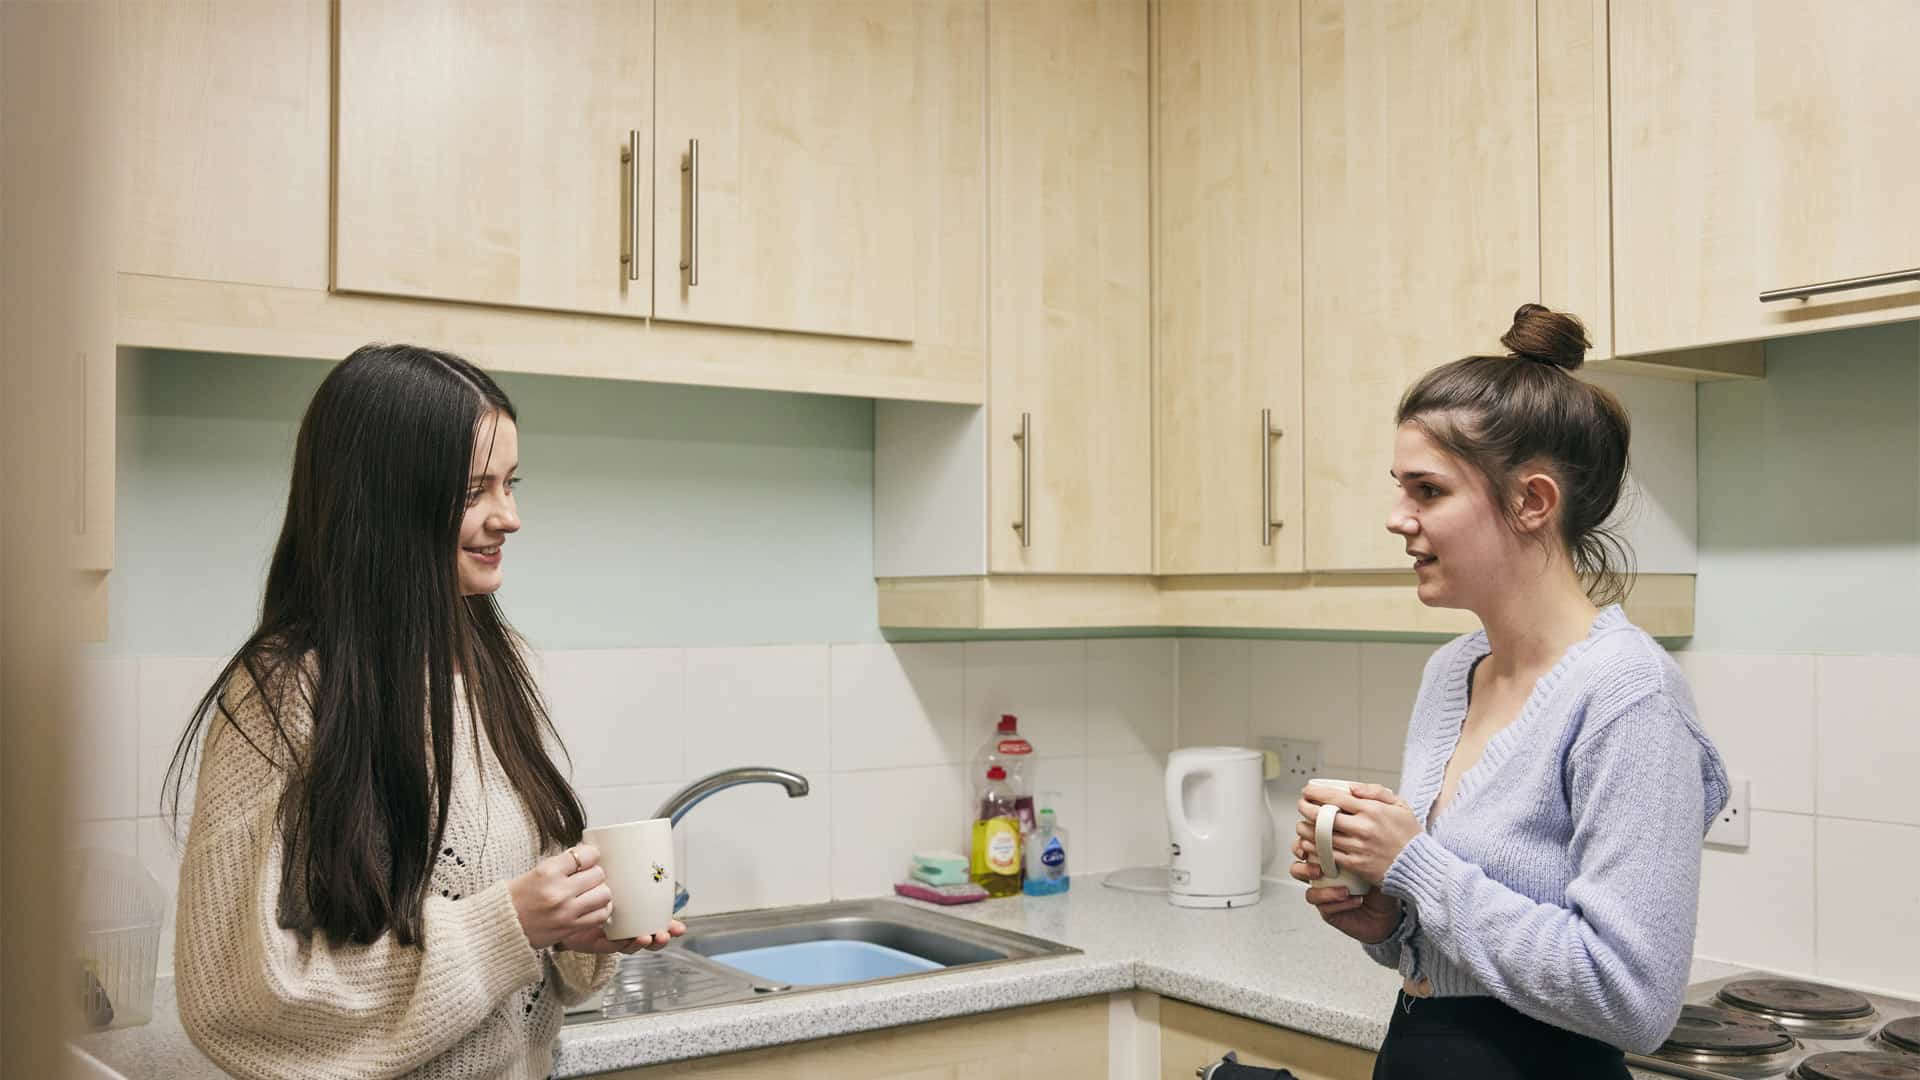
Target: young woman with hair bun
[[1538, 871]]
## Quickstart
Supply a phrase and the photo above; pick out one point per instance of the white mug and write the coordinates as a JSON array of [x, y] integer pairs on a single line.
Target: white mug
[[638, 859], [1331, 874]]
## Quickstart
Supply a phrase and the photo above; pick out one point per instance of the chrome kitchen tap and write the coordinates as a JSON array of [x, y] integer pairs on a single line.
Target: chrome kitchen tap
[[688, 797]]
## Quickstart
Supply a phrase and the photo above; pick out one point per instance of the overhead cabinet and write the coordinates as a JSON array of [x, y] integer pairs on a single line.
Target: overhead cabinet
[[1346, 194], [484, 152], [516, 153], [1054, 476], [1763, 167], [1228, 288], [784, 164], [1421, 232], [1070, 421], [1341, 205]]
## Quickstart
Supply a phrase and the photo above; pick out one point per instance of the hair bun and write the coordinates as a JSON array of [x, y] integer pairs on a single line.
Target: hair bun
[[1546, 336]]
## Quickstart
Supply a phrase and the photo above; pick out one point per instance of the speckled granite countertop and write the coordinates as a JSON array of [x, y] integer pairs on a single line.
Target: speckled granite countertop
[[1274, 962]]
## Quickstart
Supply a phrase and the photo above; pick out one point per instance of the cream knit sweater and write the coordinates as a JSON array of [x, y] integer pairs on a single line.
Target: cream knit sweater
[[476, 1000]]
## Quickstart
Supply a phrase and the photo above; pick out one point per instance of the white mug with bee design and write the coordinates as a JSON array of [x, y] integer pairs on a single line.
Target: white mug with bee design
[[638, 859]]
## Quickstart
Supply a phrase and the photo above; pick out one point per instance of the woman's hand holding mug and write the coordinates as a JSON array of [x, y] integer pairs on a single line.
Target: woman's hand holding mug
[[1375, 819], [563, 896]]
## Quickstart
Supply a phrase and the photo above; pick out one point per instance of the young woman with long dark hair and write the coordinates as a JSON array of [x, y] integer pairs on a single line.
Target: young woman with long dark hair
[[1538, 881], [383, 874]]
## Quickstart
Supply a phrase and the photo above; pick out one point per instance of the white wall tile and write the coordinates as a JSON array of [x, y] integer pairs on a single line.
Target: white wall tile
[[1389, 683], [169, 689], [1759, 709], [1214, 692], [897, 706], [1130, 695], [1283, 797], [1126, 818], [1044, 683], [1869, 903], [1757, 905], [757, 848], [160, 854], [106, 741], [614, 805], [1308, 690], [1062, 784], [620, 713], [758, 706], [1869, 737], [883, 816]]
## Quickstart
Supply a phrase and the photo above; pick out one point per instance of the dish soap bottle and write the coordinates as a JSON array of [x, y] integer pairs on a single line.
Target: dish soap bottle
[[996, 837], [1010, 750], [1047, 858]]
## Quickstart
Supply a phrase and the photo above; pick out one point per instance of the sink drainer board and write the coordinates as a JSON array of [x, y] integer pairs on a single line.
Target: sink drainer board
[[825, 963], [749, 955]]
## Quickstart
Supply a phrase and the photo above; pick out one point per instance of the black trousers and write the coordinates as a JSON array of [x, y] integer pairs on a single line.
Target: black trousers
[[1478, 1038]]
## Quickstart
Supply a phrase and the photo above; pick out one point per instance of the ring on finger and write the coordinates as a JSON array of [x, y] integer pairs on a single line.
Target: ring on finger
[[577, 866]]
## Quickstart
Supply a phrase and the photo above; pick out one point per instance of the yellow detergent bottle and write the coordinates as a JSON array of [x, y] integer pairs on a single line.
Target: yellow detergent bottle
[[996, 837]]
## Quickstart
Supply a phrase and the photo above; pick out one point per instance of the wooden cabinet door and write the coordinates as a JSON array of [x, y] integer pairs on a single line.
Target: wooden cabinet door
[[479, 151], [1062, 1040], [1761, 146], [1068, 296], [1421, 234], [802, 216], [1192, 1037], [1227, 285], [221, 134]]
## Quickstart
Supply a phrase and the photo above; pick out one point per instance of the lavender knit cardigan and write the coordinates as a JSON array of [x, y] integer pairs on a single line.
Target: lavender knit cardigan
[[1563, 878]]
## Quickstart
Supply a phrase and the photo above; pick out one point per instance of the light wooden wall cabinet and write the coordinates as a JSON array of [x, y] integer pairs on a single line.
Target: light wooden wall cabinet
[[1227, 287], [486, 197], [783, 169], [515, 153], [1422, 229], [1338, 207], [1054, 477], [1188, 251], [1070, 354], [1760, 147], [479, 152]]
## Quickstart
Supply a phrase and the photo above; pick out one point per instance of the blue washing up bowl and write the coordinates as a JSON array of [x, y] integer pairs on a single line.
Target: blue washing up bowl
[[823, 963]]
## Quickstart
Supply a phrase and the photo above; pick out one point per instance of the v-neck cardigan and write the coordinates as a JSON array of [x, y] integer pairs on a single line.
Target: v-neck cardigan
[[1564, 876]]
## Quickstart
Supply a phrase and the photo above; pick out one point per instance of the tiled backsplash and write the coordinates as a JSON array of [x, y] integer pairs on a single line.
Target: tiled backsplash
[[1828, 885], [881, 731]]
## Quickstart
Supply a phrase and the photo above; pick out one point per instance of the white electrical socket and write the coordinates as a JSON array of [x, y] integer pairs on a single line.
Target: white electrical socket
[[1299, 759], [1730, 828]]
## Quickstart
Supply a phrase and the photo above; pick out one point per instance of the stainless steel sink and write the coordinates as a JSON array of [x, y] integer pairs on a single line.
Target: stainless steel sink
[[682, 976]]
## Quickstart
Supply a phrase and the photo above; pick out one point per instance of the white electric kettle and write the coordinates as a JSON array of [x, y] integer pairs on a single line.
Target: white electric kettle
[[1216, 817]]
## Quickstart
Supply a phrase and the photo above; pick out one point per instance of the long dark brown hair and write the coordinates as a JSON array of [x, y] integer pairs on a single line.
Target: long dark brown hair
[[1499, 414], [363, 624]]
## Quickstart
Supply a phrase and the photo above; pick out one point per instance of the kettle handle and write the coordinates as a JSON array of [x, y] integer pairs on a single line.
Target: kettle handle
[[1177, 773]]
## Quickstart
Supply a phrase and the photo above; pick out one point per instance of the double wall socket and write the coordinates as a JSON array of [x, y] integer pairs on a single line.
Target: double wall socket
[[1730, 828], [1299, 759]]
